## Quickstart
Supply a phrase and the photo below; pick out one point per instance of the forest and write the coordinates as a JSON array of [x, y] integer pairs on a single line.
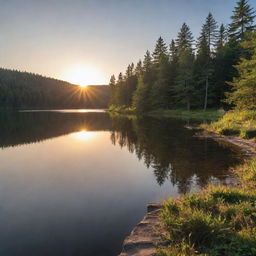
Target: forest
[[194, 73], [23, 90]]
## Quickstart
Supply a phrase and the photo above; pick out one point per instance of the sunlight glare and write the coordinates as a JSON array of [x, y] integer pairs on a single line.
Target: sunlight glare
[[83, 135], [82, 76]]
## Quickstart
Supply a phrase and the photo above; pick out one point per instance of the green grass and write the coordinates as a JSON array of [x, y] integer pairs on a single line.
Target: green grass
[[237, 123], [218, 221], [122, 109], [211, 114]]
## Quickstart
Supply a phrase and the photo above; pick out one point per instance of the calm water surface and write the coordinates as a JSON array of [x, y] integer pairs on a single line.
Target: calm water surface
[[76, 182]]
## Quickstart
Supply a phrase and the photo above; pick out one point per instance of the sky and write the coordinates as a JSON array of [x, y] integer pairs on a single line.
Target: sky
[[86, 41]]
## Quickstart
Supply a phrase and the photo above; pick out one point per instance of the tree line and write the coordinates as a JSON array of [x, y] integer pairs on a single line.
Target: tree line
[[189, 73], [26, 90]]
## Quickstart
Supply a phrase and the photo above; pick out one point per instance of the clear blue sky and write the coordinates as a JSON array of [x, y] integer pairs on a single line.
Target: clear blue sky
[[53, 37]]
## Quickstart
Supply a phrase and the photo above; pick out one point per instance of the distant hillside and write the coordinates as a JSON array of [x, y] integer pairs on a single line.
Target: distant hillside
[[22, 90]]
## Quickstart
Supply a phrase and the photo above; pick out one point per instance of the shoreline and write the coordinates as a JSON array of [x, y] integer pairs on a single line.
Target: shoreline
[[198, 114], [147, 234], [248, 147]]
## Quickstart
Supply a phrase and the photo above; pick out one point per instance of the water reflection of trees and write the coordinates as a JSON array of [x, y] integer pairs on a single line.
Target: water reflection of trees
[[23, 128], [172, 151], [163, 144]]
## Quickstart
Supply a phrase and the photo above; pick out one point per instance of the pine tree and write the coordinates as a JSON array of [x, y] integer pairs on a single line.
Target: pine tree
[[173, 72], [120, 78], [173, 52], [221, 37], [129, 85], [161, 86], [112, 84], [160, 51], [185, 38], [242, 20], [148, 69], [128, 72], [147, 62], [210, 31], [203, 54], [185, 85], [159, 92], [119, 92], [243, 95], [203, 62], [141, 97], [132, 68], [138, 68], [223, 70]]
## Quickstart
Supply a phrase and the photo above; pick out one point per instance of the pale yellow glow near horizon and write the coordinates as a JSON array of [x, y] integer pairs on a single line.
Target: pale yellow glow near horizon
[[83, 135], [82, 75]]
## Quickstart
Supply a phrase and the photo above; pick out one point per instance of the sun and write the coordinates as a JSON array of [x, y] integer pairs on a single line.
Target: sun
[[82, 75]]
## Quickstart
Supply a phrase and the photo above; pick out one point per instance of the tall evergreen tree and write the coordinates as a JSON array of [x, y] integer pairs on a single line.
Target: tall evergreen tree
[[242, 20], [160, 51], [173, 52], [112, 81], [185, 38], [138, 68], [205, 44], [159, 92], [119, 97], [148, 69], [221, 37], [161, 87], [173, 72], [184, 85], [203, 53], [141, 98], [112, 84], [129, 85], [210, 31], [147, 62], [120, 78]]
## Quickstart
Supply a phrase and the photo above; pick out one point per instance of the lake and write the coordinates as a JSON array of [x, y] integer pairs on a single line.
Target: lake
[[75, 182]]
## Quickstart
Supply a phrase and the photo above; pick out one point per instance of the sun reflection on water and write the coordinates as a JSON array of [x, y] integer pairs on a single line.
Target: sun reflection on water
[[83, 135]]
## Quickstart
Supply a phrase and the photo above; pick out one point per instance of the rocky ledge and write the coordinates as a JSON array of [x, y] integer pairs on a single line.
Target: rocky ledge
[[248, 147], [146, 236]]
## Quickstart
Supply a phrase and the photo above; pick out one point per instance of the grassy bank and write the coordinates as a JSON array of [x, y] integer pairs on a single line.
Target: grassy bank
[[122, 109], [238, 123], [218, 221], [210, 115]]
